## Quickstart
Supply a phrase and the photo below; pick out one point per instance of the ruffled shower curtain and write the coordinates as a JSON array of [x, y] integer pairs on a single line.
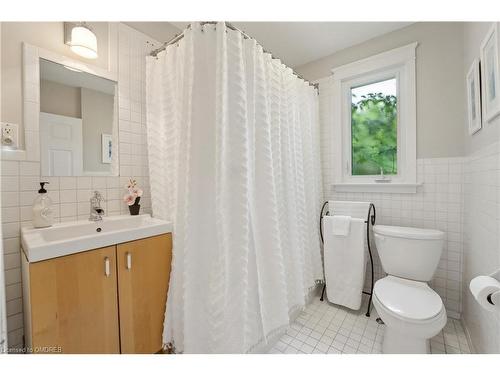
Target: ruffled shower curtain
[[233, 139]]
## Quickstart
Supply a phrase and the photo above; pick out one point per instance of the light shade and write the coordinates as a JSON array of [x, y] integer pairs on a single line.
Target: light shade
[[83, 42]]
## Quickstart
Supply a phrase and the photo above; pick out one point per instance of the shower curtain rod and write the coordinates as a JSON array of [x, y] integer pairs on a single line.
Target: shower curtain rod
[[178, 37]]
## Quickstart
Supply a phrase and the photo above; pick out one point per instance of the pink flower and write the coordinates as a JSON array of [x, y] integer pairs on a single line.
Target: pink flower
[[137, 192], [131, 184], [133, 192], [129, 199]]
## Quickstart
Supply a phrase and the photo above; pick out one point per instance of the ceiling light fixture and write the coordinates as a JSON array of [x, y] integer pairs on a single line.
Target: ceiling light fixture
[[81, 39]]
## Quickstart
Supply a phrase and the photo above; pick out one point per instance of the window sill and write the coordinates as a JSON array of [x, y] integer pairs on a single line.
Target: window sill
[[383, 187]]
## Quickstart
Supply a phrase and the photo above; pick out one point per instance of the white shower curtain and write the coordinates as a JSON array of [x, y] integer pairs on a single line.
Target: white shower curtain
[[234, 163]]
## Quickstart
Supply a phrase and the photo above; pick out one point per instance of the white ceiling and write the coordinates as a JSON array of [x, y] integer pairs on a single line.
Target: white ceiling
[[297, 43], [160, 31]]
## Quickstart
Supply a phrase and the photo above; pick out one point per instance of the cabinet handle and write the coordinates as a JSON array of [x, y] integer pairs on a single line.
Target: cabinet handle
[[107, 271], [129, 261]]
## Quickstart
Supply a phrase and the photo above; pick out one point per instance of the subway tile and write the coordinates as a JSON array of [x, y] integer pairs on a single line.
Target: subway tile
[[10, 199], [29, 183], [10, 214], [26, 213], [12, 276], [10, 230], [12, 260], [10, 183], [68, 183], [13, 292], [68, 209], [14, 307], [67, 196], [84, 195], [28, 168], [15, 321], [99, 183], [84, 183], [10, 168], [27, 198]]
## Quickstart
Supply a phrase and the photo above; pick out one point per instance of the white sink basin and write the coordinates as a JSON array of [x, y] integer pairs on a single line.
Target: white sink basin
[[73, 237]]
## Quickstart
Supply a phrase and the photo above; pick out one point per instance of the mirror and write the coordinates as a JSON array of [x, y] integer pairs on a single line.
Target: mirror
[[78, 122]]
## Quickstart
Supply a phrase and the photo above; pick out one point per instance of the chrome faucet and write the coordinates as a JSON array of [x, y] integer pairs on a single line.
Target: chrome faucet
[[96, 210]]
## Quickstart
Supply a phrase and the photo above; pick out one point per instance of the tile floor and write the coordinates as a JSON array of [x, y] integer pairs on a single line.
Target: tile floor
[[324, 328]]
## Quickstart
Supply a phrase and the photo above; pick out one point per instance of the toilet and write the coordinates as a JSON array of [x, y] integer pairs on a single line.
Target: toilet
[[410, 309]]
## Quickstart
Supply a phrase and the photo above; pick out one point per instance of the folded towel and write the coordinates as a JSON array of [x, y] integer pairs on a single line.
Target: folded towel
[[340, 225], [345, 263], [357, 210]]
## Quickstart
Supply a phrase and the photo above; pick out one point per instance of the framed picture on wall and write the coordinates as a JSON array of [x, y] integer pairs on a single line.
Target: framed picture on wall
[[107, 148], [474, 97], [489, 74]]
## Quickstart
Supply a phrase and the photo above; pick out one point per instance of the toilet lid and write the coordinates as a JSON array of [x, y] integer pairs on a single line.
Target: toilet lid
[[408, 299], [408, 232]]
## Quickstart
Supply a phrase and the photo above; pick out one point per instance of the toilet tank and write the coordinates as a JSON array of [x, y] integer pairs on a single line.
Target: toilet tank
[[411, 253]]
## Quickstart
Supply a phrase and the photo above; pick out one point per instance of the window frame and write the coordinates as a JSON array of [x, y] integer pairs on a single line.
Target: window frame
[[398, 63]]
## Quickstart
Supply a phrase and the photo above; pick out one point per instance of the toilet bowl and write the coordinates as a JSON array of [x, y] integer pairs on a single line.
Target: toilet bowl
[[411, 310]]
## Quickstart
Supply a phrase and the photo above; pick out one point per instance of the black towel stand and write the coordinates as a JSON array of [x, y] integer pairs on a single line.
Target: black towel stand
[[369, 220]]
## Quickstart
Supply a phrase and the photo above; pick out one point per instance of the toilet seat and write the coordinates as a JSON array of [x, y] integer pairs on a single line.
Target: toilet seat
[[412, 313], [408, 300]]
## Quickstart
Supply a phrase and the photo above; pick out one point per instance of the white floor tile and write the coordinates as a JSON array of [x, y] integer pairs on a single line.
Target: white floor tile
[[296, 344], [311, 341], [291, 350], [322, 347], [333, 350], [307, 349], [325, 328], [338, 345]]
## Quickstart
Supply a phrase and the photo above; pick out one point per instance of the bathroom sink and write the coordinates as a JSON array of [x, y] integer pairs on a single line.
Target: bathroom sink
[[73, 237]]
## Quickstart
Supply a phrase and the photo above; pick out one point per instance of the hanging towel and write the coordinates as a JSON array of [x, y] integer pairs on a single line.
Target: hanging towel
[[349, 208], [340, 225], [345, 263]]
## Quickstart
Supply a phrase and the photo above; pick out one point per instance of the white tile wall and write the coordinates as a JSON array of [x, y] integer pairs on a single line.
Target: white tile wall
[[481, 242], [437, 204], [70, 195]]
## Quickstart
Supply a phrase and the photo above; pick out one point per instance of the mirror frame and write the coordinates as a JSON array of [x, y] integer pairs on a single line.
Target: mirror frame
[[31, 100]]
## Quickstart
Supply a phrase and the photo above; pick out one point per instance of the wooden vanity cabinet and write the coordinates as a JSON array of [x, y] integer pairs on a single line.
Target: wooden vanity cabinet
[[74, 305], [142, 292], [107, 300]]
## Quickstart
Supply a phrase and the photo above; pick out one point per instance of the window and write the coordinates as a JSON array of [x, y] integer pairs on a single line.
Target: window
[[375, 123], [374, 136]]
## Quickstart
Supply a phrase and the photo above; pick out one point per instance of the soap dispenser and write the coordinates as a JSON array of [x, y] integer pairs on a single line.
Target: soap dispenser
[[43, 215]]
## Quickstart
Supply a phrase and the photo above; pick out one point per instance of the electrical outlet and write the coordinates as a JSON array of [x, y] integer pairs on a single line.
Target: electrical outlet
[[10, 135]]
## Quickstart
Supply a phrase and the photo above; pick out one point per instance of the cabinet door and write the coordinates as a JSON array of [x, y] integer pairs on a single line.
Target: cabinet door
[[74, 303], [143, 276]]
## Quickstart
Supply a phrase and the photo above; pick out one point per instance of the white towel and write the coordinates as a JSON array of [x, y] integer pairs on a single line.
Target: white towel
[[349, 208], [344, 258], [340, 225]]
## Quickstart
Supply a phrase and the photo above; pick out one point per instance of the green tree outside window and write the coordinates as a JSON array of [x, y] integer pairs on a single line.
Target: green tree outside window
[[374, 134]]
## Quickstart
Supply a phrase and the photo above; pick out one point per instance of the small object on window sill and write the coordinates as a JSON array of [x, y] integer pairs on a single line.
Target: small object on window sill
[[382, 178]]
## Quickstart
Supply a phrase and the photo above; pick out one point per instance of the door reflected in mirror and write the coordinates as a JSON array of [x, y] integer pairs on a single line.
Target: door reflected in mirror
[[78, 122]]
